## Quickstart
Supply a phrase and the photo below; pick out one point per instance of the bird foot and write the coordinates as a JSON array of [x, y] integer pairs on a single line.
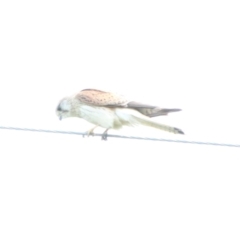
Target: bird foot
[[104, 135], [89, 132]]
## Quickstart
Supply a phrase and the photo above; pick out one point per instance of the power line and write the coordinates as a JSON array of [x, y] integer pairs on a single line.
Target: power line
[[122, 136]]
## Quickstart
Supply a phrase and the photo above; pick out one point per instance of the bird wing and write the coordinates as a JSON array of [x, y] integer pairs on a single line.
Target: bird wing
[[101, 98], [150, 110], [107, 99]]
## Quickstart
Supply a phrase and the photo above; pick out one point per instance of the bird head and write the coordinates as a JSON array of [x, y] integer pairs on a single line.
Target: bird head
[[64, 108]]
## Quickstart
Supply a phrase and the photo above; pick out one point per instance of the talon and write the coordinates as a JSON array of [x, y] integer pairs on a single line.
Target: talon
[[104, 135], [90, 132]]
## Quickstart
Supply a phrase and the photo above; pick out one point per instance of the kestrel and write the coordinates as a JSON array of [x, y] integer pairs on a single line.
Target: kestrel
[[111, 111]]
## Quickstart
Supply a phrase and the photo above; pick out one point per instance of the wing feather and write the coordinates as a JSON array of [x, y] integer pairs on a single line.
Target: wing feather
[[150, 110], [101, 98], [106, 99]]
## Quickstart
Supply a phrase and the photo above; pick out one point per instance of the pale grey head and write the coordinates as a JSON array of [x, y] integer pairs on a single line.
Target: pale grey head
[[64, 108]]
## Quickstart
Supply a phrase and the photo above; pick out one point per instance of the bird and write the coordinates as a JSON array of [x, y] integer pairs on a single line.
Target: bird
[[112, 111]]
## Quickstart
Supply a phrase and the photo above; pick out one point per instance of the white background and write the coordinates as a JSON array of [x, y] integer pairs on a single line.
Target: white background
[[181, 54]]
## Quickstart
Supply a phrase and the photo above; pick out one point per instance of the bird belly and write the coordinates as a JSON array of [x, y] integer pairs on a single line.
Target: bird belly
[[100, 116]]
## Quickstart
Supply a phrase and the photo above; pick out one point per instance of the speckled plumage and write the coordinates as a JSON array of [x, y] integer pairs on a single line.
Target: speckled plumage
[[101, 98]]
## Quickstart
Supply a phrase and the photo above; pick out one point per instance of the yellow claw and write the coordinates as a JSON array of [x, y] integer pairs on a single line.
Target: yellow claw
[[90, 132]]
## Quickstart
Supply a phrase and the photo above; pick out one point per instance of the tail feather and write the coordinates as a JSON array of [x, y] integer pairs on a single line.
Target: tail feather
[[150, 123], [132, 117]]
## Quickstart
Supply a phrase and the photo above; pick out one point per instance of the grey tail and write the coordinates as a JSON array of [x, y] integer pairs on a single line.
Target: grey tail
[[150, 123]]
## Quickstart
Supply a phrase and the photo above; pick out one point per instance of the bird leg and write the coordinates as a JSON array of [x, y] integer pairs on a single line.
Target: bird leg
[[90, 132], [104, 135]]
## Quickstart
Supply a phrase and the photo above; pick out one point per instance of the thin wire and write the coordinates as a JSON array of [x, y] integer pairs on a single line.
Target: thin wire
[[122, 136]]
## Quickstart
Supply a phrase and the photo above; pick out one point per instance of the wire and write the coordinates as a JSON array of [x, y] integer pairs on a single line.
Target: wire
[[122, 136]]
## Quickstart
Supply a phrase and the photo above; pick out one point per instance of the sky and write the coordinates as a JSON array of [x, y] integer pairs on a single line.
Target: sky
[[179, 54]]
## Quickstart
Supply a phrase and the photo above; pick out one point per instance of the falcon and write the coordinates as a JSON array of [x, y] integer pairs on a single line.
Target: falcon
[[112, 111]]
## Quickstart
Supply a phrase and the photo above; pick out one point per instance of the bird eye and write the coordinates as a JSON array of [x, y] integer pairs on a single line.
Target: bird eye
[[59, 108]]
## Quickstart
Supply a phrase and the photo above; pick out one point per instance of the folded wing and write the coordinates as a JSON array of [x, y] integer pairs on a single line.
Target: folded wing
[[107, 99], [101, 98]]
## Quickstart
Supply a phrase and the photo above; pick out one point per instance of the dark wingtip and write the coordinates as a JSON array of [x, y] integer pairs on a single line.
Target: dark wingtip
[[179, 131], [162, 112], [174, 110]]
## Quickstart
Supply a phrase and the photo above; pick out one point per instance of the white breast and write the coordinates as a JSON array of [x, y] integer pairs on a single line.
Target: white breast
[[100, 116]]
